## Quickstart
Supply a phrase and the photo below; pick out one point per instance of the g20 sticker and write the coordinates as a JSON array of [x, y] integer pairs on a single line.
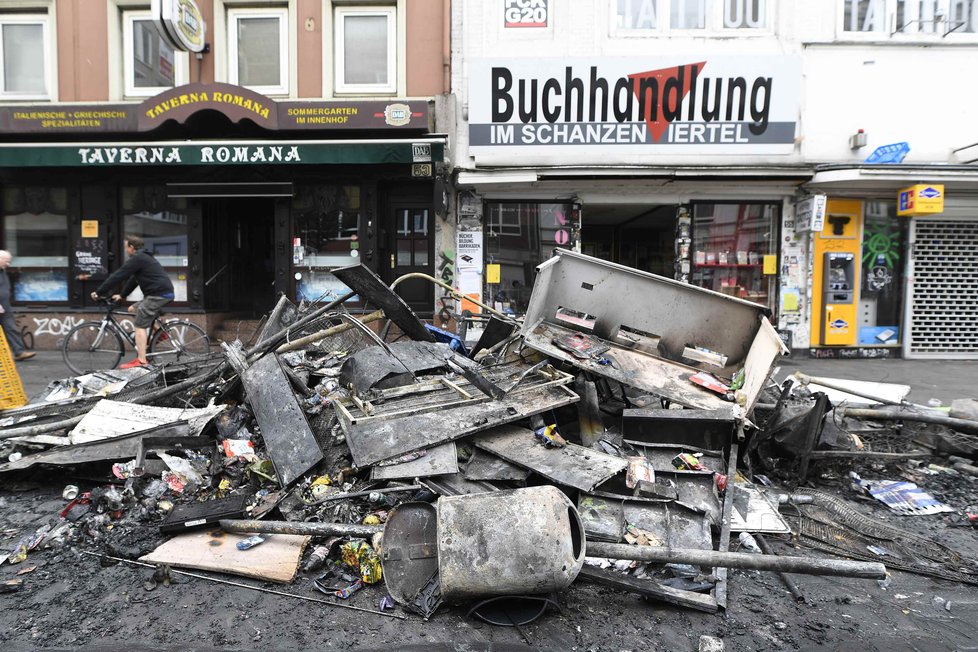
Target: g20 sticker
[[526, 13]]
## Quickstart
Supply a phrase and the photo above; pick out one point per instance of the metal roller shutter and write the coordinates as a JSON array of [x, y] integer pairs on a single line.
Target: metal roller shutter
[[942, 299]]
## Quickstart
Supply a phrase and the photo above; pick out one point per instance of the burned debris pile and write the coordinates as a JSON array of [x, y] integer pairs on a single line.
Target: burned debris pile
[[626, 432]]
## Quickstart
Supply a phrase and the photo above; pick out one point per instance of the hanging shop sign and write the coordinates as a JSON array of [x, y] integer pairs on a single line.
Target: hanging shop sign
[[612, 108], [921, 199], [180, 23], [810, 214]]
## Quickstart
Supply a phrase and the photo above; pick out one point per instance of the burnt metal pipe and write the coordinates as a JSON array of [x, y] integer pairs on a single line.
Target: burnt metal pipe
[[788, 582], [961, 425], [711, 558], [301, 528]]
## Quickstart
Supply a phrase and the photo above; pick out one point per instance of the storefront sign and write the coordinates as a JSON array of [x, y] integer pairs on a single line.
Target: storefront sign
[[619, 107], [526, 13], [921, 199], [54, 119], [235, 102], [810, 214], [216, 153]]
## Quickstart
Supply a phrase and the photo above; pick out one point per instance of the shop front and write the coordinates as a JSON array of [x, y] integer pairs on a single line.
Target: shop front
[[241, 199], [894, 271], [680, 166]]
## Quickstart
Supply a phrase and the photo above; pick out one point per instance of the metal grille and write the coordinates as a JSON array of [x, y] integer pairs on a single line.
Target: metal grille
[[944, 300]]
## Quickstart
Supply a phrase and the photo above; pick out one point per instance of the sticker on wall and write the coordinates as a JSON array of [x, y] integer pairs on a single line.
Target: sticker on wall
[[298, 253], [89, 228]]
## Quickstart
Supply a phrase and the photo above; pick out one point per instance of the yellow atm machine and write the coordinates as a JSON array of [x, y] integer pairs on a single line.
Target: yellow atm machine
[[839, 327]]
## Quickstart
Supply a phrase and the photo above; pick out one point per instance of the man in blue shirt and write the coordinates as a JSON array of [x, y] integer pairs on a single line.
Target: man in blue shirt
[[141, 269]]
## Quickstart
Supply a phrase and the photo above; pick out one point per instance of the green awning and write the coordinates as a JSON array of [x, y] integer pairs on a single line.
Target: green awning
[[302, 152]]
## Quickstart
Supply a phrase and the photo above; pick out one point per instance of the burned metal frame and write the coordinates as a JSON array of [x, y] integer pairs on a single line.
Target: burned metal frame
[[671, 314]]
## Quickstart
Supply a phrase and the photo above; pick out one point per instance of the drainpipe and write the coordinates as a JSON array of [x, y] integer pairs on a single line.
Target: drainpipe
[[446, 46]]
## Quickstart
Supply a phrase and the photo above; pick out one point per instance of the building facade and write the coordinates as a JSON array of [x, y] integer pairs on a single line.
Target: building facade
[[304, 136], [754, 148]]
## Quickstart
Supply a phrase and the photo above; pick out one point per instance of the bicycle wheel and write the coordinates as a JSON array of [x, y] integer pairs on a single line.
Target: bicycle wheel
[[92, 346], [178, 341]]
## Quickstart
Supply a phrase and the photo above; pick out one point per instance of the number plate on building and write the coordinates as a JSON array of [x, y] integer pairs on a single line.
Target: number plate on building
[[421, 169]]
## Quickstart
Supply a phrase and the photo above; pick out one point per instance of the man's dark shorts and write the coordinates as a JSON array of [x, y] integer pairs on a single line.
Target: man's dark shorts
[[148, 309]]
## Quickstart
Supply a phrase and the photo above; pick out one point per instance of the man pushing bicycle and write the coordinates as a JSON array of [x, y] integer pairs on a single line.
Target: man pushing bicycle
[[142, 269]]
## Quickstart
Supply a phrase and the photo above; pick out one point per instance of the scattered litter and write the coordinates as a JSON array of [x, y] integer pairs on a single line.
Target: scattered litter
[[902, 497]]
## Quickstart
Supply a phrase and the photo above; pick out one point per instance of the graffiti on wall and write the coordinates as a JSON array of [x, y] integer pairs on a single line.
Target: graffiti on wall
[[446, 272], [61, 326]]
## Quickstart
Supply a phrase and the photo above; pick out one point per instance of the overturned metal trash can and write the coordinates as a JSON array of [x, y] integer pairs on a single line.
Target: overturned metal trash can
[[517, 542], [508, 543]]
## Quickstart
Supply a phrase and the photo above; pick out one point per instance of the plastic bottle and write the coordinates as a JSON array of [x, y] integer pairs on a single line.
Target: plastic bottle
[[747, 542], [378, 498], [317, 558]]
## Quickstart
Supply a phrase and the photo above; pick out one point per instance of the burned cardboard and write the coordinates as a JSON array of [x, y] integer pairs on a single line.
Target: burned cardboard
[[570, 465], [372, 289], [291, 444]]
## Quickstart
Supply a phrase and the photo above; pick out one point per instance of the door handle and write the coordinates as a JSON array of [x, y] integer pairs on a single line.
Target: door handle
[[392, 261]]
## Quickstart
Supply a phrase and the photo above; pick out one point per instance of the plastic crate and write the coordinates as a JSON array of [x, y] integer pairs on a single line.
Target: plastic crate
[[11, 389]]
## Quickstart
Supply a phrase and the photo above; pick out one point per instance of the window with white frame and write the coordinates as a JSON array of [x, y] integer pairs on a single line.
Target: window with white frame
[[888, 17], [366, 49], [24, 56], [150, 65], [682, 15], [258, 49]]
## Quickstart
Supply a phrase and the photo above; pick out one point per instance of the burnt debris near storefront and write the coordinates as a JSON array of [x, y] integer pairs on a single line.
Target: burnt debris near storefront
[[626, 434]]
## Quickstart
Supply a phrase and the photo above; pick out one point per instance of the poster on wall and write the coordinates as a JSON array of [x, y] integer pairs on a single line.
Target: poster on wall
[[619, 109], [469, 258], [88, 261], [42, 286]]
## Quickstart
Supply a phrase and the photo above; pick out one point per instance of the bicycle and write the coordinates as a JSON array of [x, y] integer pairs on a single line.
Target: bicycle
[[97, 345]]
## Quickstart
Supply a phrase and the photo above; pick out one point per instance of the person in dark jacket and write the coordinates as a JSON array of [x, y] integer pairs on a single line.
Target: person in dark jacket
[[144, 270], [7, 318]]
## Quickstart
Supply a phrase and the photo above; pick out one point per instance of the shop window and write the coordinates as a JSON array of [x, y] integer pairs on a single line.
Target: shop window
[[326, 223], [24, 53], [881, 262], [162, 223], [687, 14], [35, 232], [646, 15], [730, 244], [150, 65], [518, 237], [258, 49], [366, 50], [885, 18]]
